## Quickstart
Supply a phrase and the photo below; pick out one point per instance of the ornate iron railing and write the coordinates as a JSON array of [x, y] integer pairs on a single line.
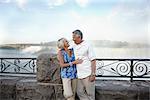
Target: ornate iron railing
[[106, 68], [123, 68], [18, 65]]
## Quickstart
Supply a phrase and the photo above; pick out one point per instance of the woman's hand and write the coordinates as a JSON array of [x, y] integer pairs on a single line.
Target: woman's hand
[[78, 61]]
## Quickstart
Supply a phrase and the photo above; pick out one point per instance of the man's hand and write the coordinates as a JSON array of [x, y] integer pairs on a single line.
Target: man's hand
[[92, 78]]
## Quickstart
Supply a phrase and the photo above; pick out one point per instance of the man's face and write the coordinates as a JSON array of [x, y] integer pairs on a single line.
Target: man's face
[[76, 38]]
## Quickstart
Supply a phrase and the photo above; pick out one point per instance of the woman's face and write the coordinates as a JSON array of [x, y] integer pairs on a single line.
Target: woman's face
[[66, 43]]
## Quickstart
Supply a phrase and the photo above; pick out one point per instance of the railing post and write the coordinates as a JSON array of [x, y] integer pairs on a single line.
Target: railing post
[[33, 65], [1, 65], [131, 77]]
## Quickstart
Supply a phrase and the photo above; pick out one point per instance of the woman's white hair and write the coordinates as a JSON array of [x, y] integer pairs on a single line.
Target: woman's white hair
[[60, 43]]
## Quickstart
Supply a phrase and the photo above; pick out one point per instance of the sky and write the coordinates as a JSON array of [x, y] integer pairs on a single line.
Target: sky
[[36, 21]]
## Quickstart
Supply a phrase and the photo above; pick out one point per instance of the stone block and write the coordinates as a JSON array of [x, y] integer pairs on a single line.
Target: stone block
[[48, 69], [33, 90]]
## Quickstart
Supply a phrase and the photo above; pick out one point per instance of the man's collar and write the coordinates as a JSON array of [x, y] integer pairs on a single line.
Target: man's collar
[[80, 42]]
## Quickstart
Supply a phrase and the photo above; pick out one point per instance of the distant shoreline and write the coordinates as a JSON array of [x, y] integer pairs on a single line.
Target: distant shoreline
[[95, 43]]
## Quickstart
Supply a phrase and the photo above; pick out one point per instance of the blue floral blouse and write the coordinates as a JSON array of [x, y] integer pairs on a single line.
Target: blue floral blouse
[[70, 71]]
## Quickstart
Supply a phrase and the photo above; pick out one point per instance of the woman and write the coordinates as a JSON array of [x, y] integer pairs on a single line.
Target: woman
[[68, 63]]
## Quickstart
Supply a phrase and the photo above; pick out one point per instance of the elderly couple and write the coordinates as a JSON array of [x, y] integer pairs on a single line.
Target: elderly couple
[[78, 67]]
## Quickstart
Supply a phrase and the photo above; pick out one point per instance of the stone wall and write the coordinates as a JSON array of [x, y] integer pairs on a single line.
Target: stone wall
[[122, 90], [7, 88], [27, 88], [32, 90]]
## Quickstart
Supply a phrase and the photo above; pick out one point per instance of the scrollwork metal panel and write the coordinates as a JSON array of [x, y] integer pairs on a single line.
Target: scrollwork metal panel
[[17, 65], [123, 68]]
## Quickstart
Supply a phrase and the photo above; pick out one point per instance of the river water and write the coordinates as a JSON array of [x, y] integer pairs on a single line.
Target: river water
[[34, 51]]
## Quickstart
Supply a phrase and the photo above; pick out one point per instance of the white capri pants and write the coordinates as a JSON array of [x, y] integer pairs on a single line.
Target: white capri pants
[[69, 87]]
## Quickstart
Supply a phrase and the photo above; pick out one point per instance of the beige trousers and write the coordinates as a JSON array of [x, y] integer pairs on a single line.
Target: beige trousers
[[86, 89], [69, 87]]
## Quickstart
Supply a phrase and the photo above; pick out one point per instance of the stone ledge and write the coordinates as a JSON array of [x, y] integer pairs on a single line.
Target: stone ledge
[[122, 90], [21, 88], [33, 90], [47, 84]]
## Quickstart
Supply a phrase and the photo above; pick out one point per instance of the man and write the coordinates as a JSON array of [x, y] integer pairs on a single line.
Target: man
[[85, 70]]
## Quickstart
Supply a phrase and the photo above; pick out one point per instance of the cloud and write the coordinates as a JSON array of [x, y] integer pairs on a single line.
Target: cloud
[[131, 18], [5, 1], [21, 4], [117, 25], [94, 27], [127, 21], [83, 3], [130, 12], [53, 3]]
